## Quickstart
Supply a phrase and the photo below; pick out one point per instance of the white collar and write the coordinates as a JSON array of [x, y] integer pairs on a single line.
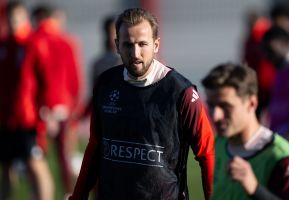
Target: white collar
[[157, 72], [257, 142]]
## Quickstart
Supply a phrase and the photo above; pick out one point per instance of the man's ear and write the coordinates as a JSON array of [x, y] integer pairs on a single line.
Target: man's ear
[[156, 45], [117, 44], [253, 102]]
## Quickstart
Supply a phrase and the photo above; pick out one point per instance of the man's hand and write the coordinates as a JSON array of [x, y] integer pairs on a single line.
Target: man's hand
[[240, 170]]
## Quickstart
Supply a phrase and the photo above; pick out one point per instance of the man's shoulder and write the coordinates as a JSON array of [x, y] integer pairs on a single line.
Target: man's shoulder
[[179, 78], [110, 76], [112, 73], [113, 70], [281, 145]]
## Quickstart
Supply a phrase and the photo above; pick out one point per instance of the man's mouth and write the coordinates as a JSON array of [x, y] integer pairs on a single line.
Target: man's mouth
[[136, 62]]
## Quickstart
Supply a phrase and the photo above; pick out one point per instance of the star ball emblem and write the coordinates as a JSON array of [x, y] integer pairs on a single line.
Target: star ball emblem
[[114, 95]]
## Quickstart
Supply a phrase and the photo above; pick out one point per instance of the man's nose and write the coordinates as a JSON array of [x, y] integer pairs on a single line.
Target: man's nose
[[135, 51], [217, 113]]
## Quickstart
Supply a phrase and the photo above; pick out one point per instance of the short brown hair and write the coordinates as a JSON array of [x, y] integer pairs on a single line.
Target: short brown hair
[[135, 16], [240, 77], [13, 5]]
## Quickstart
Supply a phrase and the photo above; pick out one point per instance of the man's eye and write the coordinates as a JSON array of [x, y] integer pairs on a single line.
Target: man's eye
[[142, 44]]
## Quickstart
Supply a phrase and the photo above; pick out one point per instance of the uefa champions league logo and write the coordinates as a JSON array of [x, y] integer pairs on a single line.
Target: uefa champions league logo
[[114, 95], [112, 106]]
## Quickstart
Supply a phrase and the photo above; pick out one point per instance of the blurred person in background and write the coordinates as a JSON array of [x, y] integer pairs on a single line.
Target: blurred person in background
[[145, 116], [256, 26], [276, 43], [52, 78], [275, 46], [17, 139], [252, 162], [279, 14], [109, 57], [254, 55]]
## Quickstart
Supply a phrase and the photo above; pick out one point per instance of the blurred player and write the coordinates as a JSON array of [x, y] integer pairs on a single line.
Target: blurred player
[[251, 162], [52, 78], [18, 140], [276, 45]]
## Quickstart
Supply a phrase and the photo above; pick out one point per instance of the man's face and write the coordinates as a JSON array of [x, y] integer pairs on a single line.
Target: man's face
[[18, 18], [137, 47], [229, 112], [279, 49]]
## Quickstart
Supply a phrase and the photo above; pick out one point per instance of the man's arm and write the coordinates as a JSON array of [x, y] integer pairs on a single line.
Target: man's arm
[[262, 193], [87, 176], [89, 169], [196, 123], [278, 187], [279, 179]]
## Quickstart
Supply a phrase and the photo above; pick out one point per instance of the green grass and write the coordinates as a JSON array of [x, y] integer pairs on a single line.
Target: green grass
[[21, 191], [194, 179]]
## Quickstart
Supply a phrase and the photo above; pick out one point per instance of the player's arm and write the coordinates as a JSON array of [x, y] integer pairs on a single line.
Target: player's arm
[[262, 193], [279, 179], [196, 123], [89, 169], [241, 171]]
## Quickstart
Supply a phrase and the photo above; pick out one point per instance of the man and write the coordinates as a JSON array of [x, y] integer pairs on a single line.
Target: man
[[254, 56], [279, 14], [108, 59], [51, 78], [145, 115], [251, 161], [276, 43], [18, 141]]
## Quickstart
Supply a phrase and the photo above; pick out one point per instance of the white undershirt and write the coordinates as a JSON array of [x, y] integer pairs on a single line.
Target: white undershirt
[[257, 142], [158, 72]]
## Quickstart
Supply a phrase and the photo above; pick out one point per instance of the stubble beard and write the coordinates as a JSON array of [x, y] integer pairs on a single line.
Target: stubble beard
[[139, 73]]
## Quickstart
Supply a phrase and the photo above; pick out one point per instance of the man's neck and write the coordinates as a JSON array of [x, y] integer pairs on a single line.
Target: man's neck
[[261, 138], [246, 146], [143, 77], [156, 72], [245, 135]]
